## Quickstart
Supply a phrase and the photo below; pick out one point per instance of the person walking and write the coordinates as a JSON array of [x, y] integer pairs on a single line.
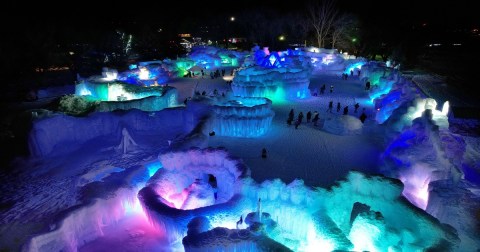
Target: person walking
[[363, 116], [338, 106], [309, 116], [356, 107], [345, 110], [315, 118], [330, 106]]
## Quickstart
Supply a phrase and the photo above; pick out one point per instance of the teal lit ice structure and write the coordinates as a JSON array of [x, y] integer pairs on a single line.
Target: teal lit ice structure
[[273, 83], [113, 94]]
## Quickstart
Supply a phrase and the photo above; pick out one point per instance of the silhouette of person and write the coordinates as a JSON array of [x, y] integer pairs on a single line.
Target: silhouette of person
[[345, 110], [338, 106], [264, 153], [356, 107], [363, 116], [330, 106], [315, 118]]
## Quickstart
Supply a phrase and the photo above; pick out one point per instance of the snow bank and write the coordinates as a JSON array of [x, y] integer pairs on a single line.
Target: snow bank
[[343, 125]]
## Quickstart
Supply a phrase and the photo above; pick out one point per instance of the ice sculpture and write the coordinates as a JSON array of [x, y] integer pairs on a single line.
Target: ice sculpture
[[127, 142], [275, 84]]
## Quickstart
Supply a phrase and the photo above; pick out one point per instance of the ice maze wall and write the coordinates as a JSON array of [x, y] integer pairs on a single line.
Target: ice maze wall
[[279, 83], [249, 117], [150, 103], [49, 133], [86, 222], [181, 169]]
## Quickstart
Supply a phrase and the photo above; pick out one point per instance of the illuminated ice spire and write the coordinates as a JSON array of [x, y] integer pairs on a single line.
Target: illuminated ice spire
[[445, 108], [259, 209]]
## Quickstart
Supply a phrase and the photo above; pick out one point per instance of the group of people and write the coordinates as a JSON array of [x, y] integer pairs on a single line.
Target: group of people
[[362, 117], [299, 120]]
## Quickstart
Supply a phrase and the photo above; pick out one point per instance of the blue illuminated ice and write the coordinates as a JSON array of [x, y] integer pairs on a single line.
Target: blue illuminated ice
[[275, 83], [209, 57]]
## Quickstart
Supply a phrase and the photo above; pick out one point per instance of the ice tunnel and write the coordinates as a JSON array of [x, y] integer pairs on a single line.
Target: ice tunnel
[[275, 84]]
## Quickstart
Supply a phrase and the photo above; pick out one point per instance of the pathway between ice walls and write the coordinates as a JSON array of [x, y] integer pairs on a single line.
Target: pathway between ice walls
[[89, 222]]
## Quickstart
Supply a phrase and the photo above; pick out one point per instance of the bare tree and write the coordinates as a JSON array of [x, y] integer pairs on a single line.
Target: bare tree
[[342, 29], [322, 16]]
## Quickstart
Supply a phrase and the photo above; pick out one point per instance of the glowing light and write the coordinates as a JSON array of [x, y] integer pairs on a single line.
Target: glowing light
[[281, 38], [144, 74], [416, 182], [315, 242], [82, 90], [152, 168], [445, 108], [354, 40], [232, 19], [117, 92], [363, 235], [272, 60], [329, 58]]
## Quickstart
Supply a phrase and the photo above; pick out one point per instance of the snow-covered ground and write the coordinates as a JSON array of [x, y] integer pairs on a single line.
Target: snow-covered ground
[[38, 191]]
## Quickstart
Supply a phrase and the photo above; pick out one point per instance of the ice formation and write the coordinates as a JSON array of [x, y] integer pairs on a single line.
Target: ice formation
[[300, 218], [420, 105], [46, 138], [234, 116], [242, 117], [209, 57], [275, 84], [421, 154], [116, 91]]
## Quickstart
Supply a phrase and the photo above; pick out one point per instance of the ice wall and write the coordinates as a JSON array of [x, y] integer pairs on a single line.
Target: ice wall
[[223, 239], [242, 117], [164, 196], [278, 83], [116, 91], [402, 93], [418, 107], [86, 222], [421, 154], [150, 103], [392, 225], [61, 133], [457, 204]]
